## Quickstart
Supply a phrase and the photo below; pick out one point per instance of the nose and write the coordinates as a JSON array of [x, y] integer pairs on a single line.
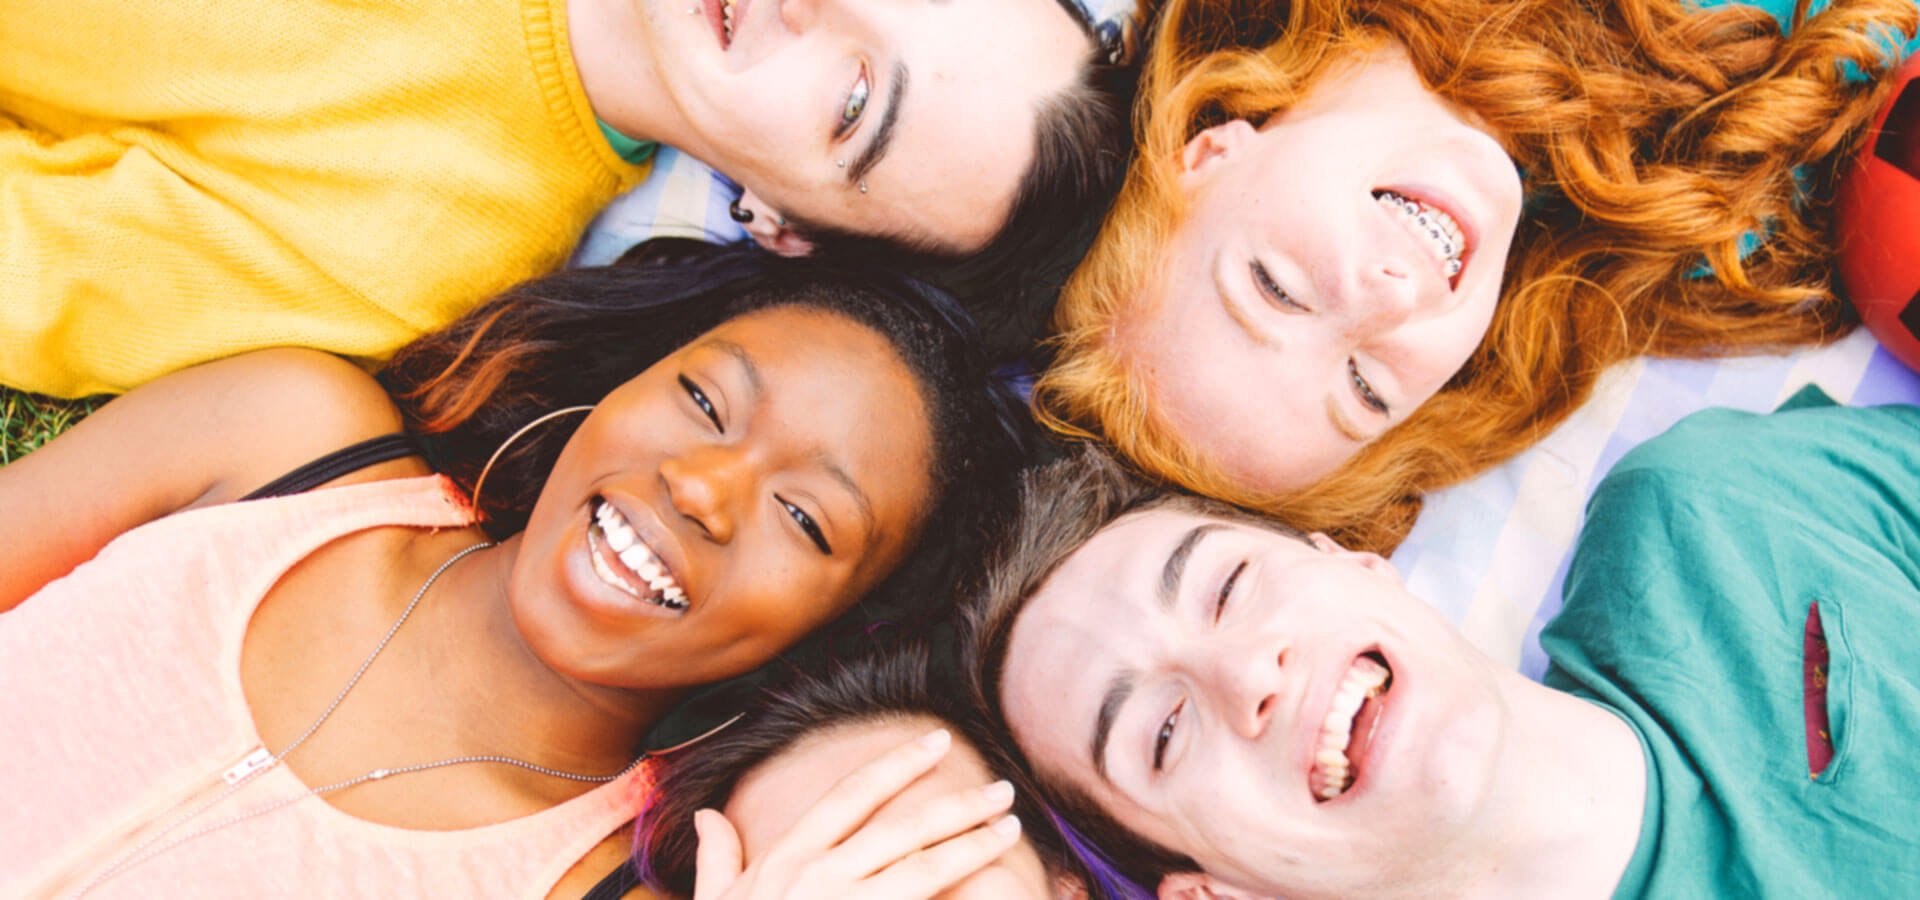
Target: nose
[[704, 485], [1385, 296], [1248, 681], [798, 15]]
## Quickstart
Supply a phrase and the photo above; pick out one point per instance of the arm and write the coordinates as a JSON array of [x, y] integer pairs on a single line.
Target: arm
[[201, 436]]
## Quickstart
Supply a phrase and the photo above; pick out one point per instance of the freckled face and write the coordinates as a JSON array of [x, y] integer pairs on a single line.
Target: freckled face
[[771, 471], [1214, 652], [1309, 301], [771, 797]]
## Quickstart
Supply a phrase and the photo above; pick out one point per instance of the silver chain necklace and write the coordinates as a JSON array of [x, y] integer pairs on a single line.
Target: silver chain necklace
[[259, 760]]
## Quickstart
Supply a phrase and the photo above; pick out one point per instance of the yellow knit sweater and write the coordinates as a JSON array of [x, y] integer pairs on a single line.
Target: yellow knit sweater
[[187, 179]]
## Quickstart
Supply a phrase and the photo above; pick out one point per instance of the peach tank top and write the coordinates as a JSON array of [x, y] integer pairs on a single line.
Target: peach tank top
[[121, 708]]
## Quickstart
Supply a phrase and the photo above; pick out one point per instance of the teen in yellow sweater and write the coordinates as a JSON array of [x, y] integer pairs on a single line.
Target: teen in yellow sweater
[[182, 181]]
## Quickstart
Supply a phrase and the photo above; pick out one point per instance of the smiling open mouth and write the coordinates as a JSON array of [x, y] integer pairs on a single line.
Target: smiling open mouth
[[626, 563], [726, 22], [1437, 230], [1348, 728]]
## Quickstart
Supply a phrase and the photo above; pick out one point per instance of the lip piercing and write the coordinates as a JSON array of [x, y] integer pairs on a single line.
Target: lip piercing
[[743, 216], [780, 221], [693, 10]]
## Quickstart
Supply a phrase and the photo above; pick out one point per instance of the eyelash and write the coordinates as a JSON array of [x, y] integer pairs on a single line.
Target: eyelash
[[1165, 737], [1226, 589], [1263, 280], [1363, 390], [807, 524], [855, 105], [700, 400]]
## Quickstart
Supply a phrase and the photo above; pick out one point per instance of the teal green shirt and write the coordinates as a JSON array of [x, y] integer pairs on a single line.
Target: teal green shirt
[[632, 151], [1686, 609]]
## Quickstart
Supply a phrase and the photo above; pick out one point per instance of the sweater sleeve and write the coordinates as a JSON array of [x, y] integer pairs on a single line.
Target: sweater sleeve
[[97, 237]]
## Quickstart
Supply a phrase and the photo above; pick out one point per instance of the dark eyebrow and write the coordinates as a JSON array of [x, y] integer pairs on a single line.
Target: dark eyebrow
[[1122, 685], [1177, 562], [883, 135], [741, 356], [1117, 693]]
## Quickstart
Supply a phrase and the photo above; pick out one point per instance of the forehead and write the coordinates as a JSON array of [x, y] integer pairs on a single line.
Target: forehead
[[773, 795], [835, 391], [1194, 362], [980, 73], [1103, 604]]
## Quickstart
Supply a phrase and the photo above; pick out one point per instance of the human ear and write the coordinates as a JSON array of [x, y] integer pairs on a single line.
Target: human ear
[[1214, 145], [1199, 886], [1367, 559], [768, 228]]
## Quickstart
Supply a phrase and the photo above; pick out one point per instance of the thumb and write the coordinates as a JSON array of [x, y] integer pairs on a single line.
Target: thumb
[[716, 860]]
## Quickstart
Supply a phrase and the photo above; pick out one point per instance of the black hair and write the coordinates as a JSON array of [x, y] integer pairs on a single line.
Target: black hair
[[1081, 146], [894, 684], [572, 337]]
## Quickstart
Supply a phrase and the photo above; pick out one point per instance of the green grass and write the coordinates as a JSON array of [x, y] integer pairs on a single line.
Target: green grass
[[29, 420]]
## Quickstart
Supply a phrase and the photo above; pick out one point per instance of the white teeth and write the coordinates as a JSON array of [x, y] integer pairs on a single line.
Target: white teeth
[[726, 18], [643, 566], [1332, 772], [1434, 226]]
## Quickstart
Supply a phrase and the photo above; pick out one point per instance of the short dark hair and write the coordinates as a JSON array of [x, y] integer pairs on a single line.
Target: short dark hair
[[1081, 146], [893, 684], [1062, 506]]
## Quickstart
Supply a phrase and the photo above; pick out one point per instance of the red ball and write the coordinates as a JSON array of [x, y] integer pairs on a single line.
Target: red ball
[[1877, 222]]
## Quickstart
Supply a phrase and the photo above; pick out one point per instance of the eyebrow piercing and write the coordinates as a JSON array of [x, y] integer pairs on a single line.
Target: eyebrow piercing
[[743, 216]]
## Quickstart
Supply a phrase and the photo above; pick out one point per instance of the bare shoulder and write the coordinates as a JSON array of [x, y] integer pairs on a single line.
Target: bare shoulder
[[261, 414], [197, 437]]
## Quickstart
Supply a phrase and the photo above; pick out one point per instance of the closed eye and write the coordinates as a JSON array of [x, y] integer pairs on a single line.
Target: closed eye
[[807, 525], [1226, 589], [1271, 289], [700, 400], [1363, 390], [854, 105]]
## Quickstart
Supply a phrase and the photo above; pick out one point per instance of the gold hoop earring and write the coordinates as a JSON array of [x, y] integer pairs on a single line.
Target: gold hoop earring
[[482, 480]]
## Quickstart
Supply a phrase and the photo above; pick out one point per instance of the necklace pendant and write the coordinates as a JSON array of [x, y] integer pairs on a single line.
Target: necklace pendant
[[255, 761]]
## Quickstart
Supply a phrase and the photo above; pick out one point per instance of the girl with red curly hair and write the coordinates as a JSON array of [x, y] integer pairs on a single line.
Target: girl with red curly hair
[[1372, 248]]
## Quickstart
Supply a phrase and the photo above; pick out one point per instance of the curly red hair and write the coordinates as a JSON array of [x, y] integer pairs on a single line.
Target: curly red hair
[[1656, 137]]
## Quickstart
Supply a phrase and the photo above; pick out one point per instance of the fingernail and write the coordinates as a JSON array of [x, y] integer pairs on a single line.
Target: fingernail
[[1006, 826], [938, 739], [999, 793]]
